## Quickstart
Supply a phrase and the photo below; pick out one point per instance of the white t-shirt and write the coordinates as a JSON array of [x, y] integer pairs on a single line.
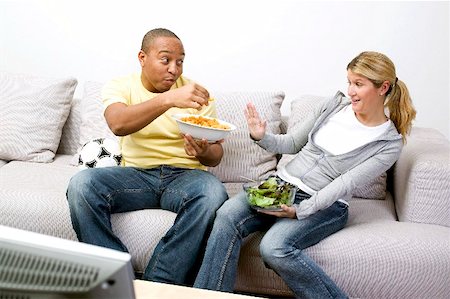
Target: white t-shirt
[[343, 132]]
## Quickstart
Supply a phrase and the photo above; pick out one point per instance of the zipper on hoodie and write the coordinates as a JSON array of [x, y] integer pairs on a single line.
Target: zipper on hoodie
[[316, 163]]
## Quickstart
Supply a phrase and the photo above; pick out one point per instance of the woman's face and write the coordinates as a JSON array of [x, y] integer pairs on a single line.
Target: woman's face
[[366, 97]]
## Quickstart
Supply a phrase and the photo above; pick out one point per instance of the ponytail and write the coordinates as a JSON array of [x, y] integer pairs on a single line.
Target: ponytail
[[401, 109]]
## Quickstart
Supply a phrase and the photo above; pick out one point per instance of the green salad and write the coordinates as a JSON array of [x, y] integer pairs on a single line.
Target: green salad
[[269, 193]]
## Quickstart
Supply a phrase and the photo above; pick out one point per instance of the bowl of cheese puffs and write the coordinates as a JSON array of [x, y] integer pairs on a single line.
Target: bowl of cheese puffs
[[203, 127]]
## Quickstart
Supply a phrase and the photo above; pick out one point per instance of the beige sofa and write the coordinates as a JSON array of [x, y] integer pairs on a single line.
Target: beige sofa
[[396, 243]]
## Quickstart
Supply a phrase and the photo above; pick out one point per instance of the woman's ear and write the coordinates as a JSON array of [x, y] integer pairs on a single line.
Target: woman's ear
[[384, 88]]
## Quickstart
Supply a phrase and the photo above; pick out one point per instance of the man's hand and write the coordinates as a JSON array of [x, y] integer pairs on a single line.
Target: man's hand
[[208, 154], [194, 147], [191, 95]]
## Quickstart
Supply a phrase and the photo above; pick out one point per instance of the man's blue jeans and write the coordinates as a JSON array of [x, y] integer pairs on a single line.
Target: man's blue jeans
[[281, 247], [195, 195]]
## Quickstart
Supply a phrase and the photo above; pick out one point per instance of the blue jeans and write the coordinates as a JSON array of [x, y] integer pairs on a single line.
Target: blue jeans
[[281, 247], [195, 195]]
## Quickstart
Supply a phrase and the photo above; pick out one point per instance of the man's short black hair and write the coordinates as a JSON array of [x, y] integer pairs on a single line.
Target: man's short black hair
[[150, 36]]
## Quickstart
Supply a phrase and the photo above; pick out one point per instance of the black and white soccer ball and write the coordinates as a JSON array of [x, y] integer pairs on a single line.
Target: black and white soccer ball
[[101, 152]]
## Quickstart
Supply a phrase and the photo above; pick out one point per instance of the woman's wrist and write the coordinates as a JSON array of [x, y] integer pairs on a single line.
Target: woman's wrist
[[253, 138]]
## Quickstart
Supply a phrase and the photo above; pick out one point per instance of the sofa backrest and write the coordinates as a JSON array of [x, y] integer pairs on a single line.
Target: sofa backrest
[[86, 121], [242, 157]]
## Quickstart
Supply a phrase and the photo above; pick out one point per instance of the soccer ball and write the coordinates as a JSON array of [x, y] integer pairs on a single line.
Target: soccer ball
[[101, 152]]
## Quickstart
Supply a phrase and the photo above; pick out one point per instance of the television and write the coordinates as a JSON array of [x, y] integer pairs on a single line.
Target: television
[[37, 266]]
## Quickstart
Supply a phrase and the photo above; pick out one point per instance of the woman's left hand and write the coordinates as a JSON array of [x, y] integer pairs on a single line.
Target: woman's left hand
[[287, 212]]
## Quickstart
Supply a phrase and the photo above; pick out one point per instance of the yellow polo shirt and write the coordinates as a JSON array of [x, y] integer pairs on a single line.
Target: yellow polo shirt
[[160, 142]]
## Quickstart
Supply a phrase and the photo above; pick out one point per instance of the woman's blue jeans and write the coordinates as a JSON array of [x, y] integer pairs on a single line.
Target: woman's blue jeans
[[195, 195], [281, 247]]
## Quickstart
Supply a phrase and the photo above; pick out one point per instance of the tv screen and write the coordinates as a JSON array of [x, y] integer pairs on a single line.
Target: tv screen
[[36, 266]]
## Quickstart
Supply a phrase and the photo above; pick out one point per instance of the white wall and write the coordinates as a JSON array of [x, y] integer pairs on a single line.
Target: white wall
[[295, 46]]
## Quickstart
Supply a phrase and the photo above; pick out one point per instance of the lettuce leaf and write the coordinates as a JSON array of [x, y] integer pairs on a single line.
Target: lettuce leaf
[[269, 193]]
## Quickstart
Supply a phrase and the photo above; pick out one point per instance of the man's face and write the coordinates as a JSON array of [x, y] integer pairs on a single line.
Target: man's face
[[162, 65]]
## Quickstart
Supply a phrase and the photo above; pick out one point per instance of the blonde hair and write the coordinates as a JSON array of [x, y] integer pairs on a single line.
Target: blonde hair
[[378, 68]]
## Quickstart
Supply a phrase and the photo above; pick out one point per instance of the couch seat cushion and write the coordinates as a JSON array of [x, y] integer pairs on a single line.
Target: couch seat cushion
[[32, 196], [402, 257]]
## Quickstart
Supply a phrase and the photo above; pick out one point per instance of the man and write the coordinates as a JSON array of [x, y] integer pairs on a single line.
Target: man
[[162, 169]]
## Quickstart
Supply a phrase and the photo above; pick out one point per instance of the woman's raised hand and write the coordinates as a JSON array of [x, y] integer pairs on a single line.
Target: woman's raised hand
[[256, 126]]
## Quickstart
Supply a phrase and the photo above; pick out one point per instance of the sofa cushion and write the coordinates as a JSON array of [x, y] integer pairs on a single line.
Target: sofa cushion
[[141, 231], [33, 111], [255, 277], [70, 137], [301, 108], [91, 121], [242, 157], [407, 260], [32, 196]]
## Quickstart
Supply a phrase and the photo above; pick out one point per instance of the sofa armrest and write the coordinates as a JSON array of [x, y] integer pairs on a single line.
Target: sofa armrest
[[422, 178]]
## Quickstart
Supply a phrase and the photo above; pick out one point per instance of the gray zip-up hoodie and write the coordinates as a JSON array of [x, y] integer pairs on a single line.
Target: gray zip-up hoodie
[[333, 177]]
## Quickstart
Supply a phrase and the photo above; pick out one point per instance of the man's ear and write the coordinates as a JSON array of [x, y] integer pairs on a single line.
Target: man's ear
[[141, 57]]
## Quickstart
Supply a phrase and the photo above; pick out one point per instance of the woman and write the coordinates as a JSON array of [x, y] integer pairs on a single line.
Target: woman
[[345, 144]]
